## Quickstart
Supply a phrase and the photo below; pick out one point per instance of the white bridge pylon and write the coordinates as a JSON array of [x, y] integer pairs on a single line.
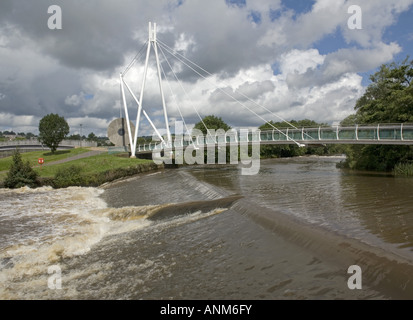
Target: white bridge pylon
[[133, 141], [168, 144]]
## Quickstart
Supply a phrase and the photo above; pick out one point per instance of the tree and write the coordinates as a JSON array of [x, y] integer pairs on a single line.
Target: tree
[[30, 135], [75, 137], [52, 130], [212, 123], [388, 99], [20, 173], [92, 137]]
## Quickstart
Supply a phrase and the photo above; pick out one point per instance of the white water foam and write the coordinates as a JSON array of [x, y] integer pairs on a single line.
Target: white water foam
[[40, 227]]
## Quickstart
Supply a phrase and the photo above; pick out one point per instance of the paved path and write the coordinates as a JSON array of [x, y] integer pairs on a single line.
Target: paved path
[[79, 156]]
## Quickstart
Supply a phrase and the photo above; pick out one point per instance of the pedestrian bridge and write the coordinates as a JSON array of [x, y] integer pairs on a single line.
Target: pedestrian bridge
[[381, 134], [389, 134]]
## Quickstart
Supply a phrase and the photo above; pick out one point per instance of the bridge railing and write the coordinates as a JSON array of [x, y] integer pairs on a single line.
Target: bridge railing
[[363, 133], [399, 132]]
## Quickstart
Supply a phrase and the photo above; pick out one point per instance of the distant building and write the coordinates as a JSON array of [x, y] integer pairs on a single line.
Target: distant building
[[10, 137]]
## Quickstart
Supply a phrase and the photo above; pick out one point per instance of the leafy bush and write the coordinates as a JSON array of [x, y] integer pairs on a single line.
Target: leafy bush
[[66, 177], [403, 169], [20, 174], [378, 158]]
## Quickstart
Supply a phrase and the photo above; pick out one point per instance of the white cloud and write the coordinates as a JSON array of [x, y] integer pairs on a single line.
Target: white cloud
[[183, 43], [75, 100], [300, 61], [377, 15], [88, 124], [23, 123]]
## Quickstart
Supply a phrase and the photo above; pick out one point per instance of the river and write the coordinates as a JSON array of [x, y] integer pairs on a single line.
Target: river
[[208, 232]]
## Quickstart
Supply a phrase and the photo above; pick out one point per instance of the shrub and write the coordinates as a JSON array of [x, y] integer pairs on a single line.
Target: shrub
[[66, 177], [20, 174], [403, 169]]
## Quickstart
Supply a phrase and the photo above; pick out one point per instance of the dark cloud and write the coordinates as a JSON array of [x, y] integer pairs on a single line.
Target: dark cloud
[[95, 34]]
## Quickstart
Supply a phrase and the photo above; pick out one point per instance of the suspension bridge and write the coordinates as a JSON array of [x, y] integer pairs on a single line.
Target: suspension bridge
[[385, 134]]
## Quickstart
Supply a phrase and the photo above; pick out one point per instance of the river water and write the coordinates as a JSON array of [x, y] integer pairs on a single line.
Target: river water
[[208, 232]]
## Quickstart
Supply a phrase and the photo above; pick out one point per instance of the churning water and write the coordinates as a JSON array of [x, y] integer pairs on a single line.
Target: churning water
[[207, 232]]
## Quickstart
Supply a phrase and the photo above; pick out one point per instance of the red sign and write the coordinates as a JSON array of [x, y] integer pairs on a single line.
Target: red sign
[[41, 160]]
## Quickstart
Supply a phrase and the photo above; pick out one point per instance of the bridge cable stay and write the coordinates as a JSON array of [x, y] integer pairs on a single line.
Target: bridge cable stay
[[174, 98], [186, 94], [225, 84], [174, 54], [176, 102], [137, 56], [156, 44]]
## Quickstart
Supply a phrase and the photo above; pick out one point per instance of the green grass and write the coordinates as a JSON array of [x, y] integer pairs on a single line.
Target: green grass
[[90, 171], [93, 165], [33, 157]]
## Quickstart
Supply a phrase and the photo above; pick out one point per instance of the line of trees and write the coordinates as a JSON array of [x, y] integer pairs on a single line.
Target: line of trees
[[5, 135]]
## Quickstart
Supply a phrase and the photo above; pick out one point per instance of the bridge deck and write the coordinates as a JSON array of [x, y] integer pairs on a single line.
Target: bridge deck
[[383, 134]]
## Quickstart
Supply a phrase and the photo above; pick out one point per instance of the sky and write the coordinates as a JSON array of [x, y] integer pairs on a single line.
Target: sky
[[281, 59]]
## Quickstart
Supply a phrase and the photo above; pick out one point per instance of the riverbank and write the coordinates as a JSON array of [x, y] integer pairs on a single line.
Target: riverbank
[[81, 167]]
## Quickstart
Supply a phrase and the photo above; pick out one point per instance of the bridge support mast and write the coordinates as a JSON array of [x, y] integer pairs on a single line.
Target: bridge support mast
[[151, 43]]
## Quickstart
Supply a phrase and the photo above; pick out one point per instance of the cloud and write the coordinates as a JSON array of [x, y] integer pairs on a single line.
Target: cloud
[[300, 61], [11, 121], [342, 62], [75, 71], [376, 17]]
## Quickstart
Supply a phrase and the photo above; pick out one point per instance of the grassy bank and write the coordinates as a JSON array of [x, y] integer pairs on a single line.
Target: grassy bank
[[93, 171], [90, 171], [48, 157]]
